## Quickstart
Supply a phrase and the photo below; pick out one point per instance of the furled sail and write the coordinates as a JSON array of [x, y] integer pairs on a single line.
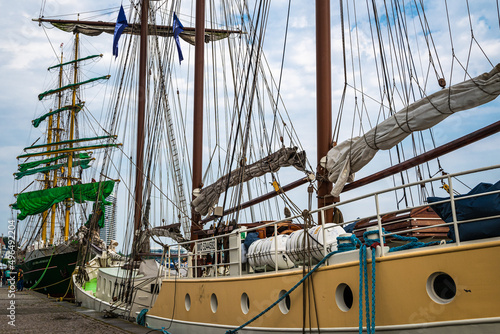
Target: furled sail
[[41, 96], [36, 122], [350, 156], [35, 202], [284, 157], [90, 28], [32, 164], [84, 163]]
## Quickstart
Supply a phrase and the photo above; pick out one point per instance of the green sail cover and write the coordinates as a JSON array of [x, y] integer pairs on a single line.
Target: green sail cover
[[28, 165], [83, 163], [36, 122], [72, 141], [71, 86], [100, 212], [67, 149], [35, 202], [74, 61]]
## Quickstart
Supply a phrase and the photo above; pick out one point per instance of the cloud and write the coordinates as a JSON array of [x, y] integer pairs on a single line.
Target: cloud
[[26, 52]]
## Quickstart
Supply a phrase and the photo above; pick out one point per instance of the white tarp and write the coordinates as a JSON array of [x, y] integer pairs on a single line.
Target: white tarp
[[350, 156], [284, 157]]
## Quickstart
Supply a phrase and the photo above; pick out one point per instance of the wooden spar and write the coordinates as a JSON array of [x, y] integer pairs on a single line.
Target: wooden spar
[[54, 175], [424, 157], [141, 110], [324, 100], [198, 108], [260, 199], [437, 152], [135, 28], [71, 134]]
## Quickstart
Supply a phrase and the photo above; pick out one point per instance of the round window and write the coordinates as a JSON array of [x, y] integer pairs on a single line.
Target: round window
[[187, 302], [285, 303], [344, 297], [245, 303], [441, 288], [213, 303]]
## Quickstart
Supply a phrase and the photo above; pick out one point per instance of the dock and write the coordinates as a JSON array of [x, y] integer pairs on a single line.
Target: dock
[[33, 312]]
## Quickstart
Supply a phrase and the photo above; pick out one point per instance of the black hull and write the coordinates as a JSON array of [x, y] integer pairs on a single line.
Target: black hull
[[58, 269]]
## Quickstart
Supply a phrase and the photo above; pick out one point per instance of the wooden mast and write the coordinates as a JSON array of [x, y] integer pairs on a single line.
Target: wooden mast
[[71, 136], [324, 101], [50, 128], [141, 110], [58, 131], [198, 108]]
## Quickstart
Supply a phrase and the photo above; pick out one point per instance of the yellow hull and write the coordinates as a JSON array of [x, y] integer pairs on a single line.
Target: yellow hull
[[402, 298]]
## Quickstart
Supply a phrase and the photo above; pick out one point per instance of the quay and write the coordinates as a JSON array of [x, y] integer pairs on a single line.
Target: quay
[[33, 312]]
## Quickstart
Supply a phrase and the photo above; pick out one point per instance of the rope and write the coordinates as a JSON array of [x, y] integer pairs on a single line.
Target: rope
[[232, 331], [141, 321], [141, 317], [70, 285], [47, 286], [414, 243], [43, 274], [345, 247], [363, 282]]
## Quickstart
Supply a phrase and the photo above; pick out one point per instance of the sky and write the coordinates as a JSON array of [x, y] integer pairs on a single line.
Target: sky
[[26, 50]]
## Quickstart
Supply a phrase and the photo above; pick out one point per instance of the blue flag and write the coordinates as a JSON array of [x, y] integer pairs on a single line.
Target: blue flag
[[178, 28], [121, 24]]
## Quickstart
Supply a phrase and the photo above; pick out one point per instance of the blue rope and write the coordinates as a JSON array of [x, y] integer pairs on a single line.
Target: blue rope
[[363, 282], [362, 261], [141, 320], [345, 247], [363, 274], [141, 317], [373, 291], [414, 243], [232, 331]]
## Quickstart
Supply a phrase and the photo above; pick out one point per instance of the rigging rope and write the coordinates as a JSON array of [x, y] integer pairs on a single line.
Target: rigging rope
[[43, 274]]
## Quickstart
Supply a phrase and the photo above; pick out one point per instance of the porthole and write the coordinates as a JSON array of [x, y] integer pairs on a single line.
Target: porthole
[[245, 303], [187, 302], [344, 297], [213, 303], [285, 303], [441, 288]]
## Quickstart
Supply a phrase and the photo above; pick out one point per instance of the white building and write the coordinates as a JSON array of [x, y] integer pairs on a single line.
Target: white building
[[108, 232]]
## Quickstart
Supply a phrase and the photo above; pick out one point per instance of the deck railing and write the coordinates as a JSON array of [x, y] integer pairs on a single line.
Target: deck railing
[[219, 248]]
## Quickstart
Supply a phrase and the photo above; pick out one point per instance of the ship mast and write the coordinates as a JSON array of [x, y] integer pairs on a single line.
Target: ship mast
[[57, 130], [324, 101], [71, 136], [50, 128], [141, 110], [198, 109]]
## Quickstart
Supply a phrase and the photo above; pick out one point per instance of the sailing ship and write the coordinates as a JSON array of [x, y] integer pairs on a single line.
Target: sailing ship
[[53, 212], [386, 260]]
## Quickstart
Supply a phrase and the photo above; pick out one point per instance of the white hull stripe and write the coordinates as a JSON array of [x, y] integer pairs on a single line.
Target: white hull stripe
[[342, 329]]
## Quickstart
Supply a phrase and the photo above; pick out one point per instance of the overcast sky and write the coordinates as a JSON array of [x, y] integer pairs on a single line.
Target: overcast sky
[[26, 51]]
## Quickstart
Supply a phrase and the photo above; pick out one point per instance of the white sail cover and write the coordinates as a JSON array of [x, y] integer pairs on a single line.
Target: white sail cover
[[350, 156], [284, 157]]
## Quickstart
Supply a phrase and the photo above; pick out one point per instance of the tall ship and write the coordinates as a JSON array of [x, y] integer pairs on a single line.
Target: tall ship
[[55, 207], [381, 231]]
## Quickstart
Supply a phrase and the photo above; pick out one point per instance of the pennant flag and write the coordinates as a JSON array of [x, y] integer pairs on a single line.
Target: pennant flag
[[121, 24], [178, 28]]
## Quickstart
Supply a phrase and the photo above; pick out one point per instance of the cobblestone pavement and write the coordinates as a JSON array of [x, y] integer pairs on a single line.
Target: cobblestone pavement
[[35, 313]]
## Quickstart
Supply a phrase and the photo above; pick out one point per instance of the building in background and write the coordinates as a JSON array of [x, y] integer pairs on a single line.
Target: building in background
[[108, 232]]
